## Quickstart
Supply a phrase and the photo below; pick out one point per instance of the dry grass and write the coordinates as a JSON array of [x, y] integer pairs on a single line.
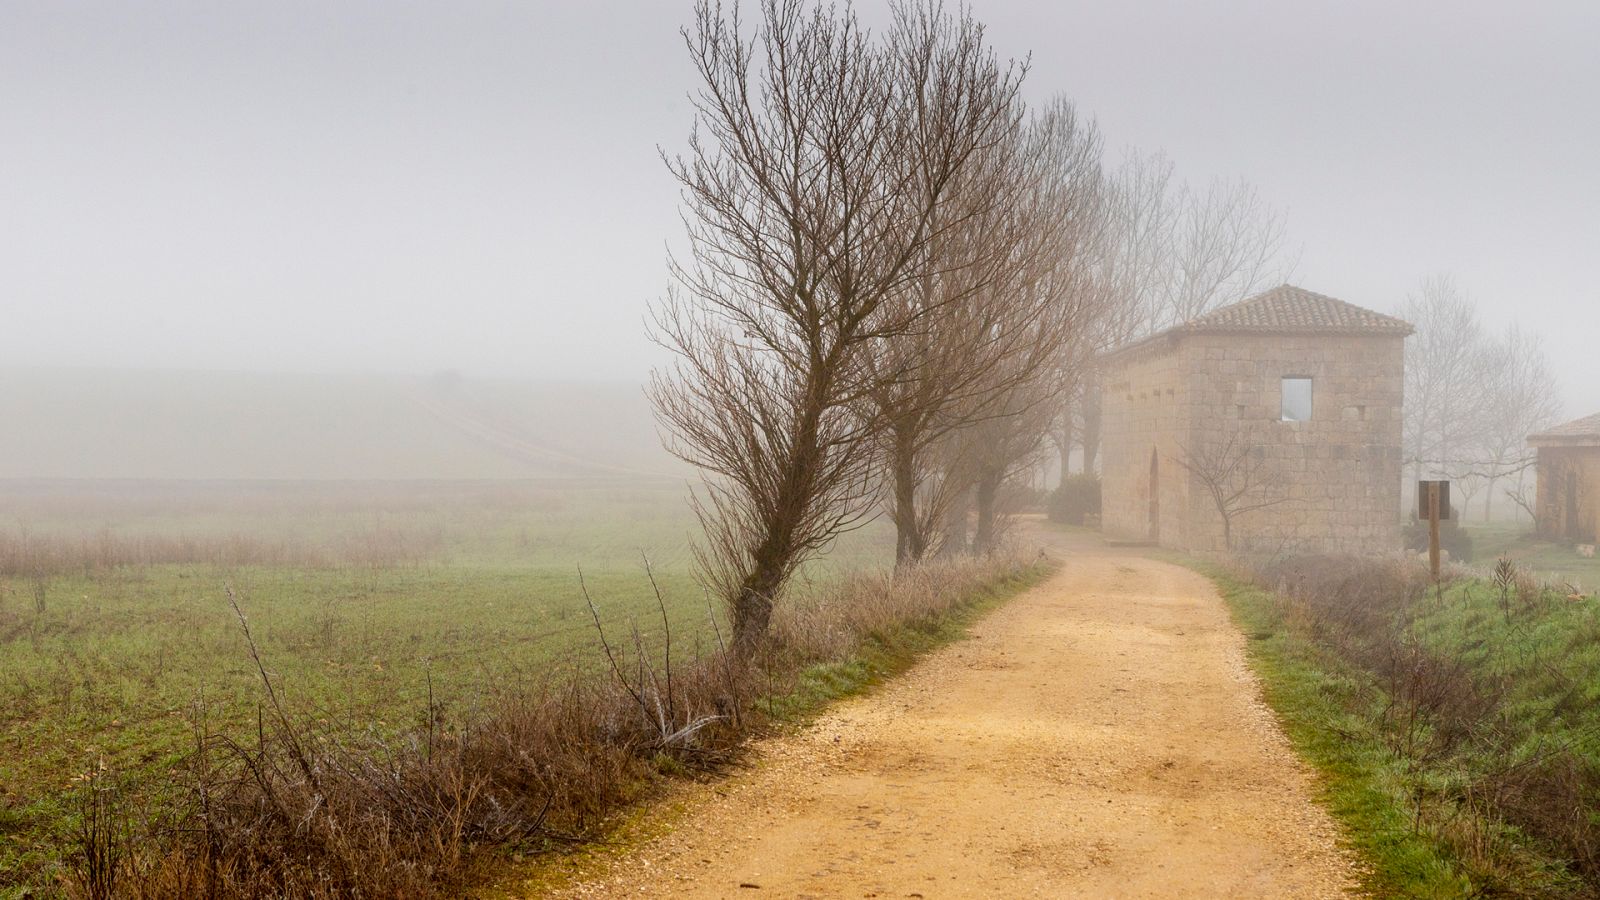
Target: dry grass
[[1481, 695], [315, 809], [41, 556]]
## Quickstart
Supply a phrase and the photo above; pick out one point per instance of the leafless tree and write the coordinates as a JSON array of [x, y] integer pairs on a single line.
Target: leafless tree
[[1176, 251], [813, 190], [1172, 251], [1446, 360], [1523, 400], [1003, 305], [1003, 446], [1238, 477], [1471, 400]]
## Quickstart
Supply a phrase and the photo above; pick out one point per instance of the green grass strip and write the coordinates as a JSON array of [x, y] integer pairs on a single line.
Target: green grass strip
[[1320, 702]]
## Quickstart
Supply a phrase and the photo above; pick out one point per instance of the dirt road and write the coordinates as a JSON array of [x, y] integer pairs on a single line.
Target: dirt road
[[1099, 736]]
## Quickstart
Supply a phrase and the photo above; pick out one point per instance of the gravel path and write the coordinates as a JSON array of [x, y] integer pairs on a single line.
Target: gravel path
[[1098, 736]]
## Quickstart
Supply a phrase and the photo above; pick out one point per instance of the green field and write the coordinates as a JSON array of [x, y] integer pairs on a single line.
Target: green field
[[362, 597], [1551, 560]]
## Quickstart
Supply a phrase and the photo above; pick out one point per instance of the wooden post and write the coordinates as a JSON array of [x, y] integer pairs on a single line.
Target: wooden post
[[1433, 528]]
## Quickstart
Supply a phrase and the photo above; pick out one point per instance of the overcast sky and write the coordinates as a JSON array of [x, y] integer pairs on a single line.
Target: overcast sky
[[384, 186]]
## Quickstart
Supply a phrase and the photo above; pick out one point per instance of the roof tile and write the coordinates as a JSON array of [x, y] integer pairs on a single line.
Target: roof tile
[[1290, 309], [1577, 430]]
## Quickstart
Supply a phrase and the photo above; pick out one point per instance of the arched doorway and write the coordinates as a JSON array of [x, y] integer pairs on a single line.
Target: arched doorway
[[1155, 497]]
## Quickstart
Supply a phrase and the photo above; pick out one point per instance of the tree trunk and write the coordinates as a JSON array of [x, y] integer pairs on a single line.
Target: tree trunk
[[1091, 424], [988, 491], [1522, 491], [910, 542], [1064, 439], [752, 610], [955, 526], [772, 559]]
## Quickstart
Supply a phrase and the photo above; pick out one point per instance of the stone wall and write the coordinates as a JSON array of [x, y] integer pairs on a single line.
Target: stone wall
[[1333, 482], [1338, 475], [1144, 414], [1556, 466]]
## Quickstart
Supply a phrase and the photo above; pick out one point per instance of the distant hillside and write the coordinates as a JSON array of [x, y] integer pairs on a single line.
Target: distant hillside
[[60, 423]]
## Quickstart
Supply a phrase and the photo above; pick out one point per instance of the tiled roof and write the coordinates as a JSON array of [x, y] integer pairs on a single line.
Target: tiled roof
[[1285, 309], [1289, 309], [1579, 431]]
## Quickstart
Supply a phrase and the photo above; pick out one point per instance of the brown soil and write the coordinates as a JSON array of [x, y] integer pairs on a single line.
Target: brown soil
[[1098, 736]]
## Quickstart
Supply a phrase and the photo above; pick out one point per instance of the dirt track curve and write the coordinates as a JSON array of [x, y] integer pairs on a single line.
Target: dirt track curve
[[1098, 736]]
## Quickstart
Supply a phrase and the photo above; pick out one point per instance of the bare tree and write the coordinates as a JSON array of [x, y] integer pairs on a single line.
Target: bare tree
[[1176, 251], [812, 191], [1172, 252], [1237, 476], [1002, 300], [1447, 363], [1523, 400], [1003, 446]]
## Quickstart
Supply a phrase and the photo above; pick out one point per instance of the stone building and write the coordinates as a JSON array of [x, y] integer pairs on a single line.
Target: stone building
[[1273, 423], [1568, 502]]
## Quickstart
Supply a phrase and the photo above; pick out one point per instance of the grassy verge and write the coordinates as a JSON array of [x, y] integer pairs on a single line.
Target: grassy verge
[[878, 657], [1326, 707], [1558, 561], [1455, 733]]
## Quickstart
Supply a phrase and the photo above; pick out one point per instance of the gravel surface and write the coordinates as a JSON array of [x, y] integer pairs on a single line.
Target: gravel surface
[[1098, 736]]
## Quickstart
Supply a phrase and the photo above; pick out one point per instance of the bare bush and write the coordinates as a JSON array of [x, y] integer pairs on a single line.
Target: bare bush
[[1480, 755], [1552, 795]]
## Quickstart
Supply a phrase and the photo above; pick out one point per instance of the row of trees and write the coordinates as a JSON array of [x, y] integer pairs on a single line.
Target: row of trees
[[1472, 399], [897, 276], [1170, 251], [890, 278], [896, 280]]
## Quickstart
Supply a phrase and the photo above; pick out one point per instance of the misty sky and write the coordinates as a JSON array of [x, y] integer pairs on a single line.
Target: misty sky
[[410, 187]]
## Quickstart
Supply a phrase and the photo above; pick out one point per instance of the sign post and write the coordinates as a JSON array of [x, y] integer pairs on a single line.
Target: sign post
[[1433, 529], [1433, 504]]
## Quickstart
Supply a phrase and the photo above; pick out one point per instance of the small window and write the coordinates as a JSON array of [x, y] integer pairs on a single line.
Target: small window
[[1296, 398]]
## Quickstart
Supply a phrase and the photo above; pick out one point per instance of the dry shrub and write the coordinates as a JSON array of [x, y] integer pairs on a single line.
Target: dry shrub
[[1347, 596], [826, 624], [1451, 720], [1553, 796], [1361, 607], [308, 809]]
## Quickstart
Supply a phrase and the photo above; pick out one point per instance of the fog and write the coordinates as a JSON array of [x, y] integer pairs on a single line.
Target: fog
[[365, 188]]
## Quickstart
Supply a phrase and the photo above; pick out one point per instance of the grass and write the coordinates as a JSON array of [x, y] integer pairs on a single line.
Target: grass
[[884, 653], [115, 665], [1326, 707], [1460, 769], [1556, 561]]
